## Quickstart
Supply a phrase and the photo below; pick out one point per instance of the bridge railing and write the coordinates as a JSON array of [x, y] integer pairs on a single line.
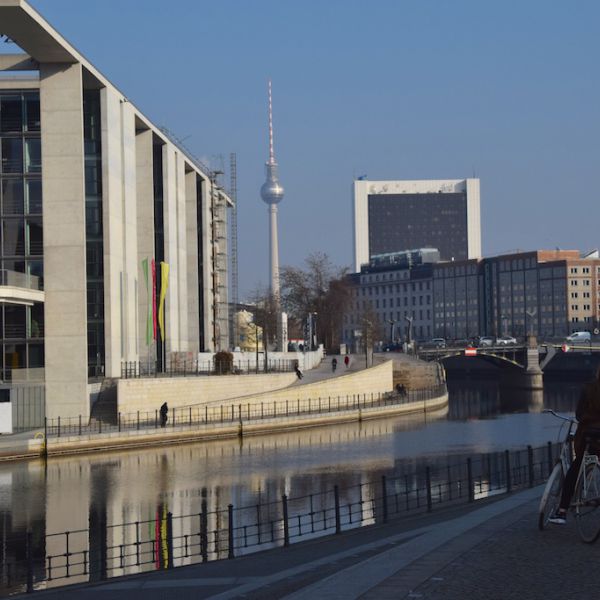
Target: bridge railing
[[168, 540]]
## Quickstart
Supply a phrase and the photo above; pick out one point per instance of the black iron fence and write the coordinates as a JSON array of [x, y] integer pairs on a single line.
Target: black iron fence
[[192, 367], [33, 560], [201, 415]]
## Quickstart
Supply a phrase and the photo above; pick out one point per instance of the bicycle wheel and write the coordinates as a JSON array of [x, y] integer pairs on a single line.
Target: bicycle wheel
[[587, 504], [551, 496]]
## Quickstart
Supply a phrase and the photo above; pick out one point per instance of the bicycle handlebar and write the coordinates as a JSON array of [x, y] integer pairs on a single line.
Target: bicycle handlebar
[[569, 419]]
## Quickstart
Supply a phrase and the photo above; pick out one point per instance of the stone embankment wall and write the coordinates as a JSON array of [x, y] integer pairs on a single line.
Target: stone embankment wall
[[376, 380], [148, 394], [415, 374]]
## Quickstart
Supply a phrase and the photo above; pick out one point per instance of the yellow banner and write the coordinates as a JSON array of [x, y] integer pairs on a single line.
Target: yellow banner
[[164, 284]]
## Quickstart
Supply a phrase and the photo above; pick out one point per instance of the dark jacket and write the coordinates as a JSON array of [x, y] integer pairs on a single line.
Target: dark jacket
[[587, 413]]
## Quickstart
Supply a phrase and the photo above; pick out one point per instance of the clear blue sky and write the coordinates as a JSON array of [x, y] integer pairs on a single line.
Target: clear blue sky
[[508, 91]]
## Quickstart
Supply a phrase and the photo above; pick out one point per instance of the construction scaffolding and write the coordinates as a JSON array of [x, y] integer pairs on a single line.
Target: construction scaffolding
[[219, 204], [234, 251]]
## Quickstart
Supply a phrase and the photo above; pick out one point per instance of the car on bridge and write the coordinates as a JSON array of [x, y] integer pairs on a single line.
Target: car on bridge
[[434, 343], [506, 340], [485, 340], [580, 336]]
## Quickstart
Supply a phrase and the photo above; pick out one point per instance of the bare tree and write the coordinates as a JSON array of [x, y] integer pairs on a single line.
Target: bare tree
[[264, 309], [319, 288]]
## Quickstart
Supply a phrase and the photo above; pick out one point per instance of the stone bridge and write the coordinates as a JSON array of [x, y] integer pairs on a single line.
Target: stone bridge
[[524, 363]]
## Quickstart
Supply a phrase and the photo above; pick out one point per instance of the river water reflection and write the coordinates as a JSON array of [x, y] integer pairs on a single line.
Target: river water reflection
[[76, 492]]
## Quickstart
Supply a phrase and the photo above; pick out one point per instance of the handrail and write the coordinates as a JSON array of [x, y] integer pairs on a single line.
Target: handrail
[[211, 533]]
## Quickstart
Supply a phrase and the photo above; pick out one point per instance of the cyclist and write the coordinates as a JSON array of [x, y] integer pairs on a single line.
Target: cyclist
[[588, 415]]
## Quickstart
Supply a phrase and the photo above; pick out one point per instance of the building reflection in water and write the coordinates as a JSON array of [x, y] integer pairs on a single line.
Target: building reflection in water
[[143, 487]]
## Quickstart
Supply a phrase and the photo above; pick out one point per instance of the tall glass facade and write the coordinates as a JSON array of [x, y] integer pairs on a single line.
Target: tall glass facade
[[159, 234], [21, 230], [94, 244]]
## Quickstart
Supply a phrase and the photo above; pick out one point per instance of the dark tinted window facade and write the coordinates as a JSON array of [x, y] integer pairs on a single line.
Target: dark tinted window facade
[[94, 241], [404, 221], [21, 232]]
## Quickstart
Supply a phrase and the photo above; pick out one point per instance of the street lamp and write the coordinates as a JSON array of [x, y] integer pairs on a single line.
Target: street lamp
[[392, 323], [409, 320]]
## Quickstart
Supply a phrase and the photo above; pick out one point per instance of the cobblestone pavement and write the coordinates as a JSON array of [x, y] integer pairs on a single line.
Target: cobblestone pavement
[[516, 562]]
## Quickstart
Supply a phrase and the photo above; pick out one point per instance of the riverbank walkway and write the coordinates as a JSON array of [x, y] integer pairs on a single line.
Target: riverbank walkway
[[492, 551], [19, 445]]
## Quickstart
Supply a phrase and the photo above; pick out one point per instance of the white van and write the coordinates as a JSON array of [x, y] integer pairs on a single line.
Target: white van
[[579, 336]]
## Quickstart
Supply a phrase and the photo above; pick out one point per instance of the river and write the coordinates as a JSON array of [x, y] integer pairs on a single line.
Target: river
[[127, 486]]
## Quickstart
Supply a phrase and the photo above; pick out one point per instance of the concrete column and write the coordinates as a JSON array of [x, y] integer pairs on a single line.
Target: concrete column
[[171, 246], [145, 237], [65, 308], [193, 328], [181, 263], [115, 285], [207, 267]]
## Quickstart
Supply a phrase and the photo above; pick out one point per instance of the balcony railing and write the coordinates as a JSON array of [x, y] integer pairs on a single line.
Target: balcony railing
[[20, 280]]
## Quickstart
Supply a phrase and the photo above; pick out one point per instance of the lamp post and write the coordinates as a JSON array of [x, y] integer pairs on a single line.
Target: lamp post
[[409, 320], [392, 323], [529, 326]]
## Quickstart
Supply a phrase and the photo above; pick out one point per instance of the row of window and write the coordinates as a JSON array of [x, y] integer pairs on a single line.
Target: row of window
[[20, 155], [19, 112], [19, 196], [420, 286]]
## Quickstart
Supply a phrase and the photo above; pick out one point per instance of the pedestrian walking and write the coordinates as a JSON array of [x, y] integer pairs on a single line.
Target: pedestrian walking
[[347, 361], [333, 364], [298, 372], [164, 411]]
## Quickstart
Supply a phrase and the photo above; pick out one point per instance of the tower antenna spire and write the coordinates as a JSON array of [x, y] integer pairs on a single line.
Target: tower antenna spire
[[271, 150]]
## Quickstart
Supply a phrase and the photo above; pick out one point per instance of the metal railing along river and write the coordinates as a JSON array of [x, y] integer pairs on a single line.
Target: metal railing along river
[[35, 560], [189, 368], [200, 415]]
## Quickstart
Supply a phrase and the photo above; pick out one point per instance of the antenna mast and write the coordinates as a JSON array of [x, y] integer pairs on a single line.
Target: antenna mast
[[271, 150]]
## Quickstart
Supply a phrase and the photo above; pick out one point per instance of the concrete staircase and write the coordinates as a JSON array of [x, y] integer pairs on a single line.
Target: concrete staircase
[[105, 407]]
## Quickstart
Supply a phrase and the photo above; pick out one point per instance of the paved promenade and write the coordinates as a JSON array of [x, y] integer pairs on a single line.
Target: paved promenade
[[493, 551]]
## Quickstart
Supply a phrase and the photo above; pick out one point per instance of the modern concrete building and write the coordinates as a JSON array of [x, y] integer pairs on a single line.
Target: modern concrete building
[[549, 293], [89, 189], [392, 291], [391, 216]]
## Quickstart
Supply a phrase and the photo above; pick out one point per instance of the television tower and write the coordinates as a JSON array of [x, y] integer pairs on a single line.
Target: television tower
[[272, 193]]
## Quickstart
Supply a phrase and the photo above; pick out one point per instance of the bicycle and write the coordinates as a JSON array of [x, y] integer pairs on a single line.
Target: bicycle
[[586, 501], [551, 496], [586, 497]]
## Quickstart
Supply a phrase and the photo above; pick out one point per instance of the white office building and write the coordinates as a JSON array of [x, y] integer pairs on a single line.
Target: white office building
[[90, 189], [393, 216]]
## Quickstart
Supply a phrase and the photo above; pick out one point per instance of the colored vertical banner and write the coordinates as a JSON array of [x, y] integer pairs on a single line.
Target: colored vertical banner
[[153, 299], [164, 284], [149, 293]]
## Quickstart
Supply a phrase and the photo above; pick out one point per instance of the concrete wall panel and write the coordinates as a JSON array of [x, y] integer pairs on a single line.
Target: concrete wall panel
[[61, 100]]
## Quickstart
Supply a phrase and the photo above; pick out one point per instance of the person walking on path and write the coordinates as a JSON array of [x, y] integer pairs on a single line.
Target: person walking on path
[[347, 361], [164, 411], [333, 365], [588, 415], [298, 372]]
